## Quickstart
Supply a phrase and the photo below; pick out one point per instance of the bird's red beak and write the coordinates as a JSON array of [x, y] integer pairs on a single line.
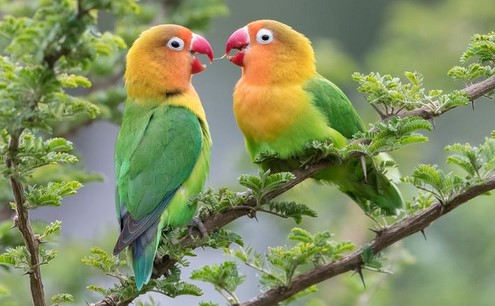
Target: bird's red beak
[[238, 40], [200, 45]]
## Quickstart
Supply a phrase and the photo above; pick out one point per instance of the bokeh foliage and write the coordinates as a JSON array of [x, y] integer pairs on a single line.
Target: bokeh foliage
[[60, 72]]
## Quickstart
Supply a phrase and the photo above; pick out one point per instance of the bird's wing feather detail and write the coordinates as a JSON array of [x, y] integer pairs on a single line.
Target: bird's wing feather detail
[[335, 106], [172, 135]]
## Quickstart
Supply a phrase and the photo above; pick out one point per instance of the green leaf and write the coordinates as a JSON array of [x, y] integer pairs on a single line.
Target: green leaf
[[47, 255], [291, 210], [172, 286], [7, 259], [103, 261], [222, 238], [224, 277], [73, 81], [265, 182], [17, 257], [391, 134], [51, 194], [280, 265], [422, 201], [53, 227], [481, 46], [62, 298], [441, 185], [58, 144], [97, 289], [389, 96], [370, 259]]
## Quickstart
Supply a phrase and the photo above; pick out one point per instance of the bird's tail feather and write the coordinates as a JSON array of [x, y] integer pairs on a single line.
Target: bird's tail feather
[[369, 184], [375, 190], [142, 255]]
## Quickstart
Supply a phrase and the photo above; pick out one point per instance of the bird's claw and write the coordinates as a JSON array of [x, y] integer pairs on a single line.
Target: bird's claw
[[199, 225], [244, 194]]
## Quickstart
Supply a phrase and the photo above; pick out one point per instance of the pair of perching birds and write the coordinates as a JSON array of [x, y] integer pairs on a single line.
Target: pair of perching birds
[[280, 103]]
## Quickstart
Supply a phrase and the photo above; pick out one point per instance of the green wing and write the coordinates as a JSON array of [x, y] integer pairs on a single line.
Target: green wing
[[368, 187], [334, 104], [156, 150]]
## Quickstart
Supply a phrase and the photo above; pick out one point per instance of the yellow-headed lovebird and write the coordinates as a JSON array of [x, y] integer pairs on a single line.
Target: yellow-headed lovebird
[[281, 103], [162, 153]]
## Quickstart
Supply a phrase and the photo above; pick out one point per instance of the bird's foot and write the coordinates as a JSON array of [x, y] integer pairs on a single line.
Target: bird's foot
[[196, 223], [244, 194]]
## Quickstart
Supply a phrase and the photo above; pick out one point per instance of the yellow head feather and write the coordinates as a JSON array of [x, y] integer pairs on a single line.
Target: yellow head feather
[[160, 64], [153, 69], [289, 58]]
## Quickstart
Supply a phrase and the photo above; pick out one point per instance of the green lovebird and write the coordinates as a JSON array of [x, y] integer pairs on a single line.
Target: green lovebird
[[162, 153], [281, 103]]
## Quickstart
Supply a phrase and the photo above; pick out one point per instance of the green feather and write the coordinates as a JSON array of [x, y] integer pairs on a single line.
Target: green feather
[[369, 190], [330, 115], [334, 105], [160, 150]]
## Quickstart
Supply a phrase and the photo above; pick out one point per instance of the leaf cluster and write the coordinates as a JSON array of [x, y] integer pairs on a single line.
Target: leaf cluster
[[18, 256], [224, 277], [390, 96], [263, 184], [480, 55], [281, 264], [389, 135], [477, 163], [171, 285]]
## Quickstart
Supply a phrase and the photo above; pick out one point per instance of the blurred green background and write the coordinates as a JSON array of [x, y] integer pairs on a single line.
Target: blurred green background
[[453, 266]]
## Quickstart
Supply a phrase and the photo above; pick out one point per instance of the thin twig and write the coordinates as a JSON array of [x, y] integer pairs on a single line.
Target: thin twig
[[473, 92]]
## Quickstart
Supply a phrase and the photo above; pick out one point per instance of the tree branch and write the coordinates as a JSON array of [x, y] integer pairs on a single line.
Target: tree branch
[[216, 221], [473, 92], [21, 217], [22, 221], [385, 238]]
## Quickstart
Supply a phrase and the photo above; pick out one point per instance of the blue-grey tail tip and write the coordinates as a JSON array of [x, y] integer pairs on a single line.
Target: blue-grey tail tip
[[143, 251], [142, 271], [140, 282]]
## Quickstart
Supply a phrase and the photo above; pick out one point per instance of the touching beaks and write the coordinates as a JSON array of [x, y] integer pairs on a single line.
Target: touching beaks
[[238, 40], [200, 45]]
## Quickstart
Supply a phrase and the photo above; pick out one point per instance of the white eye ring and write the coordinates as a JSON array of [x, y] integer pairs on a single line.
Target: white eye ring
[[176, 44], [264, 36]]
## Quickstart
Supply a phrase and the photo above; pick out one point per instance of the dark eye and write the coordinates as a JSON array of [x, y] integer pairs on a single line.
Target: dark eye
[[176, 44], [264, 36]]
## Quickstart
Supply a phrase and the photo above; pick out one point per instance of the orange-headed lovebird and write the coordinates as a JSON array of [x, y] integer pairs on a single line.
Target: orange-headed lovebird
[[281, 103], [162, 152]]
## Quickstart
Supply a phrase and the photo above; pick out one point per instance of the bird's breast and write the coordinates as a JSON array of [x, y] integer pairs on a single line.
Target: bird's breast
[[263, 113]]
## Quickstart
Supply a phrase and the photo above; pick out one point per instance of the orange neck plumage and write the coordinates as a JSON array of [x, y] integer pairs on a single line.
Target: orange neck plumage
[[269, 95], [289, 59], [152, 76], [146, 78]]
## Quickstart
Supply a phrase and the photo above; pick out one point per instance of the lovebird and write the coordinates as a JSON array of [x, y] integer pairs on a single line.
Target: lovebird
[[281, 103], [162, 152]]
